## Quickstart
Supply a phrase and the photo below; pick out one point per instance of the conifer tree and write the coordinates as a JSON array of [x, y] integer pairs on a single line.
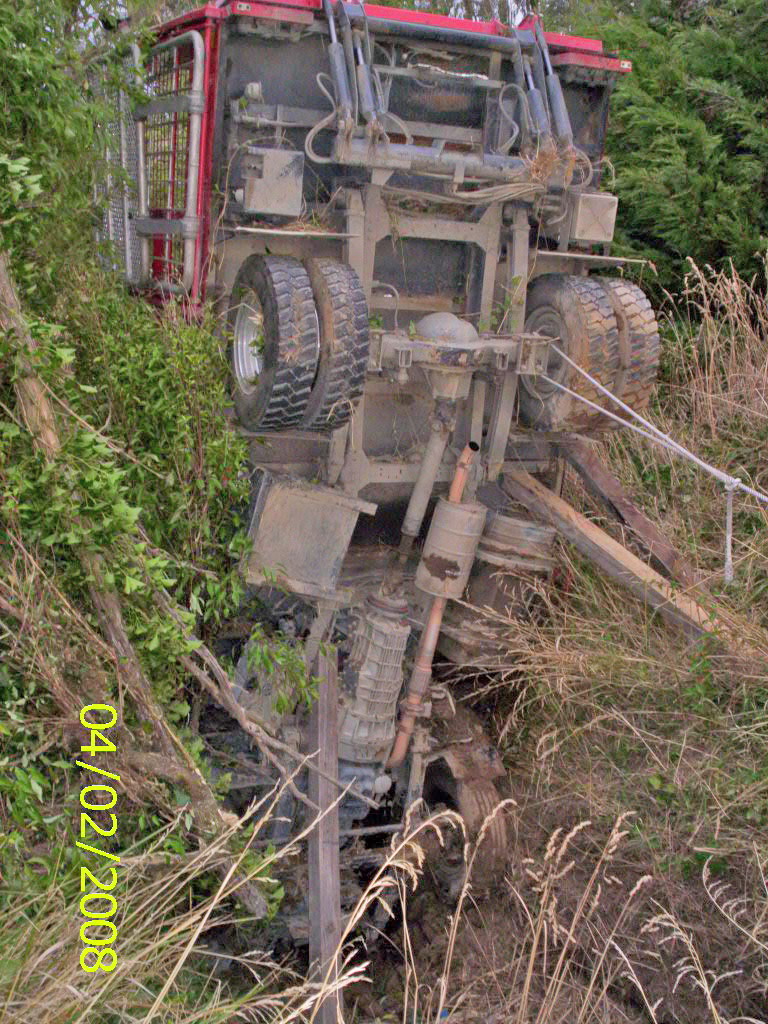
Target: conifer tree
[[689, 132]]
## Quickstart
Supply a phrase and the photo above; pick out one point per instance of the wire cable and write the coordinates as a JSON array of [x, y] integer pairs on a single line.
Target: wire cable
[[652, 433]]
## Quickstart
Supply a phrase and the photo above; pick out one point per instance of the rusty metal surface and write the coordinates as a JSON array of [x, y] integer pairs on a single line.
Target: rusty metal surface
[[460, 738], [449, 550], [300, 534], [511, 542], [465, 748]]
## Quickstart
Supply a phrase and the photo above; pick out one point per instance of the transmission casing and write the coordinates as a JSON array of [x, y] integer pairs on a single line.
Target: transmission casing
[[372, 680]]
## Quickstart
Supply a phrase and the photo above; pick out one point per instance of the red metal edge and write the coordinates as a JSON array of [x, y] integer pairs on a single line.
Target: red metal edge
[[280, 11], [592, 60], [209, 11], [556, 40], [273, 10], [563, 42], [488, 28], [493, 28]]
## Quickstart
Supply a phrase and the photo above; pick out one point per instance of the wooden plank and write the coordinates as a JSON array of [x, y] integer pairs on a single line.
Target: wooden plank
[[601, 483], [324, 881], [640, 579]]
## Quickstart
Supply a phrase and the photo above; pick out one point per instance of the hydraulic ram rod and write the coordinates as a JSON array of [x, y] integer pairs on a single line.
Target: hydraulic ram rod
[[560, 119], [338, 64], [421, 674]]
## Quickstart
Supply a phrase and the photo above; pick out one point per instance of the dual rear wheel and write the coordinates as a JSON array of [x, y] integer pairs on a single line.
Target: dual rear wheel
[[299, 347], [298, 343], [605, 326]]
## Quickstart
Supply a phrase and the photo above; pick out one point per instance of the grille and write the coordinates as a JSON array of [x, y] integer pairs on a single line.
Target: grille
[[168, 74], [115, 193]]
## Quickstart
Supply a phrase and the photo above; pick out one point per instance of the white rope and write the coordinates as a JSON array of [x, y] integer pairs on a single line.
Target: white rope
[[653, 433], [728, 568], [668, 441]]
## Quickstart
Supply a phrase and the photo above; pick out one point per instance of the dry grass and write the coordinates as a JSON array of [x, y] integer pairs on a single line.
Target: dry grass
[[721, 325], [604, 711], [165, 964], [714, 398], [567, 940], [636, 888]]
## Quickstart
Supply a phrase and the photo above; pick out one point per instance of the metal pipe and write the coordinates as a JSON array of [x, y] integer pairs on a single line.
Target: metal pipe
[[142, 198], [425, 482], [561, 121], [421, 673], [537, 108], [442, 425], [508, 45], [338, 62], [423, 160], [461, 475], [193, 144]]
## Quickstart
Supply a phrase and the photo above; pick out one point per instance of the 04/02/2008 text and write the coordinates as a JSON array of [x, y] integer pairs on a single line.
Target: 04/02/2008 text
[[98, 904]]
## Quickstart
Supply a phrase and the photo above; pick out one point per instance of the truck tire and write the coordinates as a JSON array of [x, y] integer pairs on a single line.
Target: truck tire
[[476, 801], [639, 342], [274, 342], [343, 315], [578, 312]]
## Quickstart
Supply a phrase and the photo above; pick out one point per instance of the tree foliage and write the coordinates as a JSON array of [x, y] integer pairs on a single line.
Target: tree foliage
[[689, 133], [147, 477]]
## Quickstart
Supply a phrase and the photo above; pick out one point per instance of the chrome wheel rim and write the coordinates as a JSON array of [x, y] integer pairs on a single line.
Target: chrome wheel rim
[[248, 344]]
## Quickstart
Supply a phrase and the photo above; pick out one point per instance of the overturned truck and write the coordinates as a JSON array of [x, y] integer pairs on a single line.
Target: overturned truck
[[397, 216]]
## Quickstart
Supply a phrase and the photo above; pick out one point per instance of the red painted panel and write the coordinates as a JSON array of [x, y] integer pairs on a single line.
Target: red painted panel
[[191, 19], [267, 9], [488, 28], [273, 12], [563, 42], [591, 60]]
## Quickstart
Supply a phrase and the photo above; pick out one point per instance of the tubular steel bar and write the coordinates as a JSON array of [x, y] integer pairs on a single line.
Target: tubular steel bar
[[142, 198], [422, 665], [195, 107], [508, 45]]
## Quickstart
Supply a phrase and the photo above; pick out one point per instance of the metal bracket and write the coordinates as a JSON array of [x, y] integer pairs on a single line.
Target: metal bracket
[[188, 103], [533, 355], [186, 227]]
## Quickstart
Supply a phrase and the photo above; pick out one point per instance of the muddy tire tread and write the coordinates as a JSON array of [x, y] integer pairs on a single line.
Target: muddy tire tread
[[597, 352], [285, 293], [637, 321], [344, 340]]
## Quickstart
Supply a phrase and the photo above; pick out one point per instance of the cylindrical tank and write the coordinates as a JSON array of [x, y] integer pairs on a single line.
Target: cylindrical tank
[[514, 543], [449, 549], [512, 552]]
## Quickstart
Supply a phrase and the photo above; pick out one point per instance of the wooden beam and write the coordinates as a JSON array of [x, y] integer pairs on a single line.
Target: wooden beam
[[324, 879], [601, 483], [640, 579]]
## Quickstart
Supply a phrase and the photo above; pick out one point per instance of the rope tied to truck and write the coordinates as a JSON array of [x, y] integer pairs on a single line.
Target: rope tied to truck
[[651, 432]]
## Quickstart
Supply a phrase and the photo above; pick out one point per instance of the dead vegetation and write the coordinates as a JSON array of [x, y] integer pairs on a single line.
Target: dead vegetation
[[637, 880], [638, 796]]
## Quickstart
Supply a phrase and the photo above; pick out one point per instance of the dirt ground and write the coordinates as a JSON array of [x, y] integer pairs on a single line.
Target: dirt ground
[[578, 931]]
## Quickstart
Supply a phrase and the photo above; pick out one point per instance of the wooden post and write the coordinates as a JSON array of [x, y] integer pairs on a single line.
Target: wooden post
[[645, 583], [603, 484], [324, 881]]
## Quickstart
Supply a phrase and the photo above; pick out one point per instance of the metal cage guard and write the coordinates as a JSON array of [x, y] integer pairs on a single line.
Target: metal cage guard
[[168, 140]]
